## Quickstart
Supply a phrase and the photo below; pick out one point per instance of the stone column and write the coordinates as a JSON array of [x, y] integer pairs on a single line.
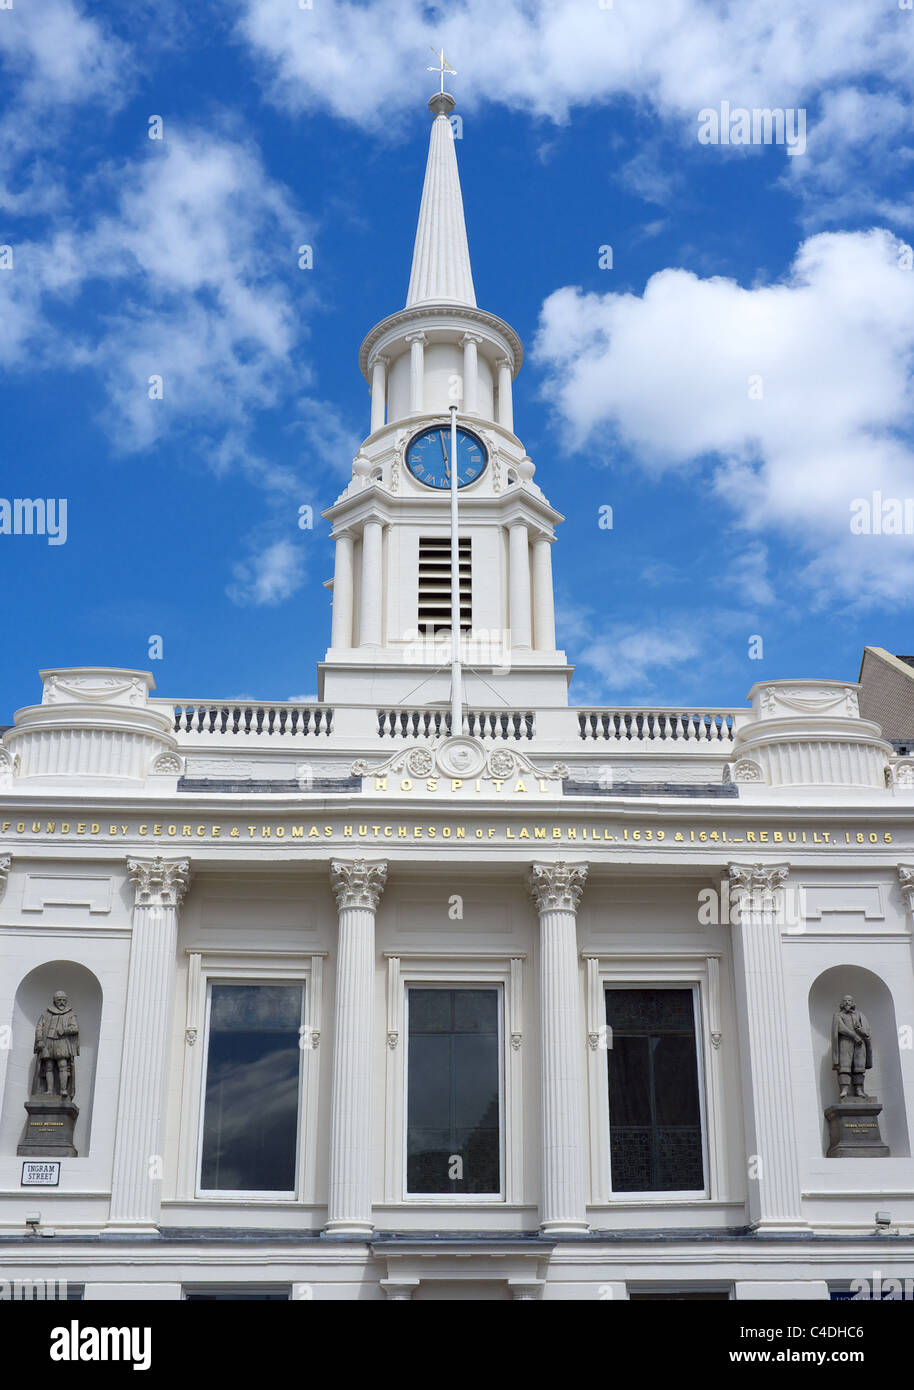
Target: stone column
[[557, 889], [906, 881], [543, 597], [136, 1182], [519, 585], [341, 627], [5, 862], [761, 1001], [417, 343], [357, 885], [372, 584], [378, 392], [505, 401], [470, 343]]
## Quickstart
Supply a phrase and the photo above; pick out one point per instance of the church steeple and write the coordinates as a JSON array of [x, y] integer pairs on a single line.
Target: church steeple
[[393, 591], [441, 258]]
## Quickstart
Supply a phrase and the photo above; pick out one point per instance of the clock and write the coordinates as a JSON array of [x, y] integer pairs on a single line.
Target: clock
[[428, 457]]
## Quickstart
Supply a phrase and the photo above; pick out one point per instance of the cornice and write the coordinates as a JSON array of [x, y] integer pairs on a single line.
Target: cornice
[[376, 501], [426, 314]]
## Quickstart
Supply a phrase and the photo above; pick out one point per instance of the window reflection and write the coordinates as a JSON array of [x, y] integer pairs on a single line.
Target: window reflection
[[654, 1110], [250, 1117], [453, 1094]]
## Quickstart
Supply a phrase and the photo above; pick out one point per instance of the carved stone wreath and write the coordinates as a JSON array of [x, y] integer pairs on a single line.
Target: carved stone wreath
[[902, 774], [166, 765], [744, 770], [502, 763], [420, 762]]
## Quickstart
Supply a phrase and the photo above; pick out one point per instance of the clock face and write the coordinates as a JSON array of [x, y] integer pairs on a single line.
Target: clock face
[[429, 457]]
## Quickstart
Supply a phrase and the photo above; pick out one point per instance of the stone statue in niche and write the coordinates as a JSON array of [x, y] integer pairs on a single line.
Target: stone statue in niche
[[851, 1047], [56, 1047], [854, 1122], [52, 1114]]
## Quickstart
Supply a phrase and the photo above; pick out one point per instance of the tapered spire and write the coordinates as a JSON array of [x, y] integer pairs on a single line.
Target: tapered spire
[[441, 258]]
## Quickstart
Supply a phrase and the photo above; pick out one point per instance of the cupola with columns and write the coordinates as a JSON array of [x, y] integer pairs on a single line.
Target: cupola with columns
[[392, 572]]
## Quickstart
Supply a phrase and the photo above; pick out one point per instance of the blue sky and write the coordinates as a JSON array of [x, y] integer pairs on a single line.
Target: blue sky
[[738, 378]]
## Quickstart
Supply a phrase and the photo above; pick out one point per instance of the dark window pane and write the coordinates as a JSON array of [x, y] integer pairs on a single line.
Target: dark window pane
[[675, 1080], [654, 1113], [453, 1133], [250, 1118], [631, 1153], [630, 1080], [430, 1010], [475, 1011], [429, 1066], [650, 1010]]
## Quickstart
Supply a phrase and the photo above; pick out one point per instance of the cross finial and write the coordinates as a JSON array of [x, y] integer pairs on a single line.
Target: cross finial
[[443, 66]]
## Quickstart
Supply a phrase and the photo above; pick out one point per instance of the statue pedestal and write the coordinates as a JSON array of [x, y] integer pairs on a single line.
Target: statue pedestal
[[854, 1129], [49, 1131]]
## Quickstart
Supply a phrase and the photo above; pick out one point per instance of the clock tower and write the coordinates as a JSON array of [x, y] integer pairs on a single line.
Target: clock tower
[[391, 629]]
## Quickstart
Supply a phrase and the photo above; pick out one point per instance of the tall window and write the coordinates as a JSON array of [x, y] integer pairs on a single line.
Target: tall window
[[453, 1134], [654, 1109], [251, 1101]]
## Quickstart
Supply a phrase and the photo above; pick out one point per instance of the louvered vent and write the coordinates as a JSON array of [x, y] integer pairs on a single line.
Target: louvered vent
[[435, 584]]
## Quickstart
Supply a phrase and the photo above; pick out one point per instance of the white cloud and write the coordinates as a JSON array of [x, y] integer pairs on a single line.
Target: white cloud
[[747, 577], [861, 146], [616, 659], [54, 59], [59, 55], [328, 438], [195, 261], [633, 658], [363, 60], [269, 576], [645, 175], [673, 372]]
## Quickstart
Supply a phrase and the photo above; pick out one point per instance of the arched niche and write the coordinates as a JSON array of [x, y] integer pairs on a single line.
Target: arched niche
[[874, 999], [35, 992]]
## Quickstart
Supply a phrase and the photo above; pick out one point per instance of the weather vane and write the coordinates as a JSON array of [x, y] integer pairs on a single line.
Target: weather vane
[[443, 66]]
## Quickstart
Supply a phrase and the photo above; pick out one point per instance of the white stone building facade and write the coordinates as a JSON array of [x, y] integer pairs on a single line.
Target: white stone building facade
[[373, 1007]]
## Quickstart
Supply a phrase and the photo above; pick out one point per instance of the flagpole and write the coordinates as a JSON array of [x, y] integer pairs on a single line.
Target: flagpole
[[456, 674]]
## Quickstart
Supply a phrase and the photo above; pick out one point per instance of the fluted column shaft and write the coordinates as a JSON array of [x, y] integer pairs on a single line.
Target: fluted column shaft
[[136, 1182], [378, 393], [557, 891], [519, 584], [372, 584], [543, 597], [416, 371], [357, 885], [471, 373], [341, 626], [761, 1000], [505, 400]]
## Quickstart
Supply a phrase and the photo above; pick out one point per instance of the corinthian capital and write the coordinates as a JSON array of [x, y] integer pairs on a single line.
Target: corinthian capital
[[557, 885], [757, 879], [5, 861], [159, 882], [357, 882], [906, 879]]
